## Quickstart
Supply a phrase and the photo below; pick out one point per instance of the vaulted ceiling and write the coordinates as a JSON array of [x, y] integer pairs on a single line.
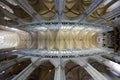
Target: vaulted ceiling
[[16, 12], [47, 16], [58, 25]]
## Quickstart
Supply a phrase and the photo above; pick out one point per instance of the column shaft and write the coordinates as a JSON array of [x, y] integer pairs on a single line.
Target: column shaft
[[92, 71], [60, 6], [114, 57], [112, 65], [59, 69], [28, 8], [28, 70], [12, 16], [95, 4], [59, 73], [112, 14], [11, 63]]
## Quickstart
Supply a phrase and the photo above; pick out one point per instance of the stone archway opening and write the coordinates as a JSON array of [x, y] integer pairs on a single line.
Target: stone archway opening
[[75, 72], [45, 71]]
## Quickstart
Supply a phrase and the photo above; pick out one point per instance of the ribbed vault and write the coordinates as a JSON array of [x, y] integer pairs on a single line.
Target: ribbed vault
[[59, 40]]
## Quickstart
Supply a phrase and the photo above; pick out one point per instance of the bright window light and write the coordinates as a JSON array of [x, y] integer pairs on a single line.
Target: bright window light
[[1, 39], [14, 29]]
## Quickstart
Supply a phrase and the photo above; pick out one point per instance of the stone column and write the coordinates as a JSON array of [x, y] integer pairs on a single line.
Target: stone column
[[59, 69], [114, 57], [5, 55], [28, 70], [24, 4], [12, 16], [91, 70], [11, 63], [95, 4], [112, 65], [60, 6], [110, 15]]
